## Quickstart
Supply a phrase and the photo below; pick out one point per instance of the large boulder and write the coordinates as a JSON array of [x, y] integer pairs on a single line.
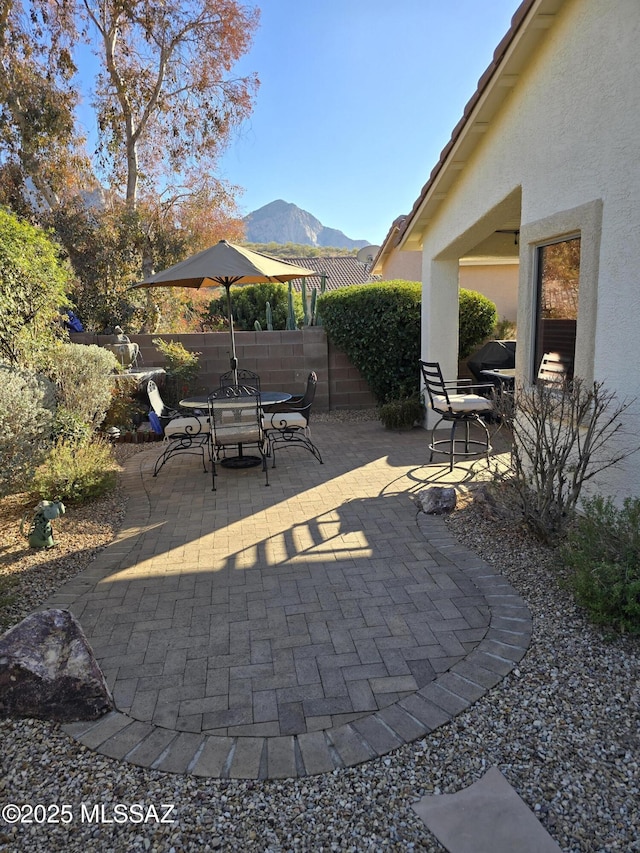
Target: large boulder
[[48, 671], [437, 500]]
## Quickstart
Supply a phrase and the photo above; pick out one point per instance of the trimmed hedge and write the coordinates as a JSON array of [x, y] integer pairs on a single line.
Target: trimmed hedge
[[378, 327], [478, 318]]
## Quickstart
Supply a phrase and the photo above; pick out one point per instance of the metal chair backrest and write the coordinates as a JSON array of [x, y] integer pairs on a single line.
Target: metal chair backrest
[[435, 385], [553, 369], [300, 405], [457, 402], [310, 392], [156, 401], [234, 406], [245, 378]]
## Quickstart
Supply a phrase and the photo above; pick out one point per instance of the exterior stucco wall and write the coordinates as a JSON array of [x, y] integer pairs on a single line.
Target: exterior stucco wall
[[498, 282], [564, 141], [403, 265]]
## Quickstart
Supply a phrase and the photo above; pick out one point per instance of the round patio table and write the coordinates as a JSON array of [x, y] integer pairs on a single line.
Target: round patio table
[[267, 398]]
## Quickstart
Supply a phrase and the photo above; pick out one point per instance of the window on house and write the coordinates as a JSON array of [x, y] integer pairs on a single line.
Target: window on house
[[558, 285]]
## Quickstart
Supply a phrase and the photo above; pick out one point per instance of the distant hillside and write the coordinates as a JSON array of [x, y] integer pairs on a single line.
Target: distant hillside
[[283, 222], [298, 250]]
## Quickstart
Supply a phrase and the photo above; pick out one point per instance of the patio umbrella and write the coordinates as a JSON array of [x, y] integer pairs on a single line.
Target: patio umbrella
[[225, 264]]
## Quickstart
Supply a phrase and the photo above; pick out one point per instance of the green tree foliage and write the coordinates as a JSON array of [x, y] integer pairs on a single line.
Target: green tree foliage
[[378, 327], [478, 318], [104, 248], [166, 102], [101, 247], [249, 303], [32, 290], [165, 99], [38, 139]]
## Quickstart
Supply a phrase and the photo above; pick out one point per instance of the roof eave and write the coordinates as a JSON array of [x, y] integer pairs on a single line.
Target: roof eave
[[388, 245]]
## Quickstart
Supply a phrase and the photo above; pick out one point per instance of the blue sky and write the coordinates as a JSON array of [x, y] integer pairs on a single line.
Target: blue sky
[[357, 100]]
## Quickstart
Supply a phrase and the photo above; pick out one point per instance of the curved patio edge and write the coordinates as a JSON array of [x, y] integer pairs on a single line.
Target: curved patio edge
[[119, 736]]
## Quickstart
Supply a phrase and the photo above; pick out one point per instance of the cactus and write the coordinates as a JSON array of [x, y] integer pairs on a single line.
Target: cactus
[[257, 326], [269, 317], [305, 310], [323, 287], [291, 317], [314, 295]]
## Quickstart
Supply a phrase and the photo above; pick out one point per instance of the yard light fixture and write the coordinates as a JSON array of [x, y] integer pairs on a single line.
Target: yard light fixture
[[40, 534]]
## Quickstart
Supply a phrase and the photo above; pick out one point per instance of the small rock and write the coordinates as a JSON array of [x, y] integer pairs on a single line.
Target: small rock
[[48, 671]]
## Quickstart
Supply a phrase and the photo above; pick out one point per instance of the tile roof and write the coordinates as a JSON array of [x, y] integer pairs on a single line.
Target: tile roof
[[390, 241], [340, 270]]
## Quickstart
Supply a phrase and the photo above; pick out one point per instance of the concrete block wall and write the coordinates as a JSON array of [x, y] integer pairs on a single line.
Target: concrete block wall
[[283, 359], [347, 388]]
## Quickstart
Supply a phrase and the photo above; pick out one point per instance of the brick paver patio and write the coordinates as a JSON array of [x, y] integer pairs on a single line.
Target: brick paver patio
[[258, 632]]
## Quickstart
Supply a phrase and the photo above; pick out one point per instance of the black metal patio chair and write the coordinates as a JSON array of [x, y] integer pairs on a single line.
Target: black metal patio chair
[[457, 403], [287, 424], [182, 434], [236, 420]]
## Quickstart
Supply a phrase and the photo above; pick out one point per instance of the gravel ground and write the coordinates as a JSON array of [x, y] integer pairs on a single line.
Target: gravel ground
[[564, 729]]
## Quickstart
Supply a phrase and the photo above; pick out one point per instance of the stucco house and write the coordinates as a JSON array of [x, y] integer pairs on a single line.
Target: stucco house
[[547, 158]]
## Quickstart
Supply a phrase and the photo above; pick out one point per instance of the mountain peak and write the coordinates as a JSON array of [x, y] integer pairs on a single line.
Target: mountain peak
[[283, 222]]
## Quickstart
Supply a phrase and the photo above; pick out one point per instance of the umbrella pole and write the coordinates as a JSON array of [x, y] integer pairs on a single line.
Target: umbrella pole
[[233, 360]]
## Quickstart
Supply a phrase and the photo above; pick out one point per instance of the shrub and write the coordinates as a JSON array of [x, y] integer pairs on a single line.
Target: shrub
[[183, 369], [478, 318], [378, 327], [562, 438], [603, 555], [124, 410], [27, 406], [84, 379], [75, 473], [401, 414], [68, 426], [32, 291]]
